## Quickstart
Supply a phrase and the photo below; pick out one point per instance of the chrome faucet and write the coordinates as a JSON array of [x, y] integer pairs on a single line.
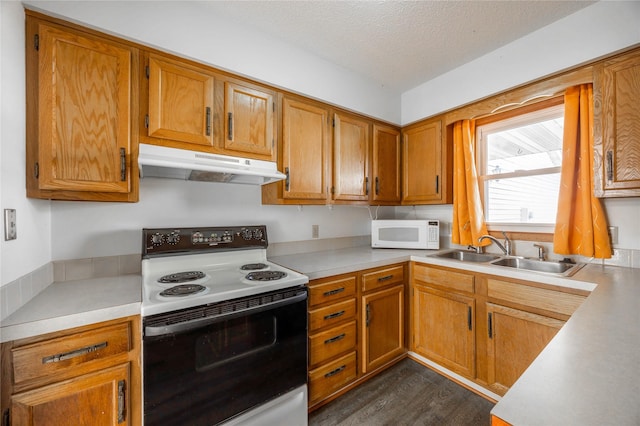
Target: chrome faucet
[[541, 254], [506, 248]]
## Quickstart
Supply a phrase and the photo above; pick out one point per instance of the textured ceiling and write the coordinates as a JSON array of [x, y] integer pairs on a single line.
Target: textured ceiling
[[397, 44]]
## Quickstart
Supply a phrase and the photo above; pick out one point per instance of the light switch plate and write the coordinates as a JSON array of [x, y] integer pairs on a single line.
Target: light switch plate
[[10, 231]]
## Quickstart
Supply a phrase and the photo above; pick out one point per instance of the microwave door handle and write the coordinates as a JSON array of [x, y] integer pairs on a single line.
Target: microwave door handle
[[161, 330]]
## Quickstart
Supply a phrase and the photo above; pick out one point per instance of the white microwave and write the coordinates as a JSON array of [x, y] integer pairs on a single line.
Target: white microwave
[[407, 234]]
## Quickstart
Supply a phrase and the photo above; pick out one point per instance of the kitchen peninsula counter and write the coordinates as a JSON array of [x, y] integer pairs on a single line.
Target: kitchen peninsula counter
[[589, 374], [68, 304]]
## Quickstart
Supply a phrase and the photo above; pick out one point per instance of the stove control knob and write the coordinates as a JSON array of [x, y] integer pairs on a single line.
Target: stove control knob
[[246, 234], [173, 238], [258, 234], [157, 239]]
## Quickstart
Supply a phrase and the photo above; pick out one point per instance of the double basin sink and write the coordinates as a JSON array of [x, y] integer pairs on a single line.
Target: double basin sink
[[563, 269]]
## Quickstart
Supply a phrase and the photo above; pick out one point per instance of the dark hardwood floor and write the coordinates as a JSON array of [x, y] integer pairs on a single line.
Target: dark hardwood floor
[[405, 394]]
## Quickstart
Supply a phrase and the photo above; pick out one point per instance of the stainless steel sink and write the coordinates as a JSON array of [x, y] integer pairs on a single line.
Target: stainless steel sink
[[551, 267], [467, 256]]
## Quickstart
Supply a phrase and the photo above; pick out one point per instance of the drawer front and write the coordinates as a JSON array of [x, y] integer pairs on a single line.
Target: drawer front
[[382, 278], [56, 355], [333, 314], [456, 281], [541, 298], [327, 344], [330, 291], [331, 377]]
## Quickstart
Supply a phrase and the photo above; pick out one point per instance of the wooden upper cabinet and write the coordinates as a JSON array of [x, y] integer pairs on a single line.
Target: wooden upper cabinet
[[79, 115], [350, 159], [426, 173], [249, 121], [617, 126], [180, 105], [385, 166], [305, 141]]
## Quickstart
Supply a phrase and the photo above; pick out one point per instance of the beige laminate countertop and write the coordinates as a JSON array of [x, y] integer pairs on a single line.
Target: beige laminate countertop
[[69, 304], [589, 374]]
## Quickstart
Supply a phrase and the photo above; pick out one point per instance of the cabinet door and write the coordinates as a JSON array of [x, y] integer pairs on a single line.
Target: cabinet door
[[443, 329], [180, 104], [350, 159], [515, 339], [304, 145], [382, 327], [422, 164], [385, 165], [249, 121], [93, 399], [83, 114], [616, 128]]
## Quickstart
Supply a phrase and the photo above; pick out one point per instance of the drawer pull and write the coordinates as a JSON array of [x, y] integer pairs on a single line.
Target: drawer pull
[[334, 372], [72, 354], [490, 326], [335, 339], [385, 278], [334, 315], [122, 410], [332, 292]]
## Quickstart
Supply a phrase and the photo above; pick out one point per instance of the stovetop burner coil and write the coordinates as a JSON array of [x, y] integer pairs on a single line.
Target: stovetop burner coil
[[253, 266], [183, 290], [182, 277], [265, 275]]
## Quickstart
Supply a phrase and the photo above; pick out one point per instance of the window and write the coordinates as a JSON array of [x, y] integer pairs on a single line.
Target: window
[[519, 161]]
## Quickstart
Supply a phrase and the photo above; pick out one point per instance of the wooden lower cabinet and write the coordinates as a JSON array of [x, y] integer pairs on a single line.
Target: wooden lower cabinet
[[356, 329], [382, 327], [443, 318], [443, 329], [485, 328], [86, 375], [332, 377], [332, 335], [515, 339], [98, 399]]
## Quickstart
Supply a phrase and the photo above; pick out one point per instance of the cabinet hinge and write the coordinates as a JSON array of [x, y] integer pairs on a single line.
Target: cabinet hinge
[[333, 122], [36, 41], [6, 418], [273, 143], [36, 170], [333, 190], [146, 121], [273, 106], [146, 70]]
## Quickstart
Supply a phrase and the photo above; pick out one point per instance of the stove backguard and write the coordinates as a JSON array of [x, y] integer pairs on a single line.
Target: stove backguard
[[177, 241]]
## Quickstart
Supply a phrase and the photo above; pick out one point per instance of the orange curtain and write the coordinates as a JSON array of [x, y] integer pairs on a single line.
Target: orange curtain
[[468, 217], [581, 225]]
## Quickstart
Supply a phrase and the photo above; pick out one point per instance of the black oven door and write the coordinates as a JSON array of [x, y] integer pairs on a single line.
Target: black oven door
[[205, 367]]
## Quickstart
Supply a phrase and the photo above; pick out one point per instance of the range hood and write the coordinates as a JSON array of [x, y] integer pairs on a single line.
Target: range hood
[[174, 163]]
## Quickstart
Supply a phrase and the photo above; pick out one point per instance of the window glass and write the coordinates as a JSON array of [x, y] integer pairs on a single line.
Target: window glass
[[519, 160]]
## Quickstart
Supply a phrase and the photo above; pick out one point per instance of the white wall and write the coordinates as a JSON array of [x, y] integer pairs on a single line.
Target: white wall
[[32, 249], [595, 31], [102, 229]]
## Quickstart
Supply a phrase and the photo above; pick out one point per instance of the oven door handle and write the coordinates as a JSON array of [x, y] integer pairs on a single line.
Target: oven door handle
[[161, 330]]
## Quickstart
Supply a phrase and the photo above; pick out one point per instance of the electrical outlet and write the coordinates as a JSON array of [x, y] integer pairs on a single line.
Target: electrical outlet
[[613, 234], [10, 231], [315, 231]]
